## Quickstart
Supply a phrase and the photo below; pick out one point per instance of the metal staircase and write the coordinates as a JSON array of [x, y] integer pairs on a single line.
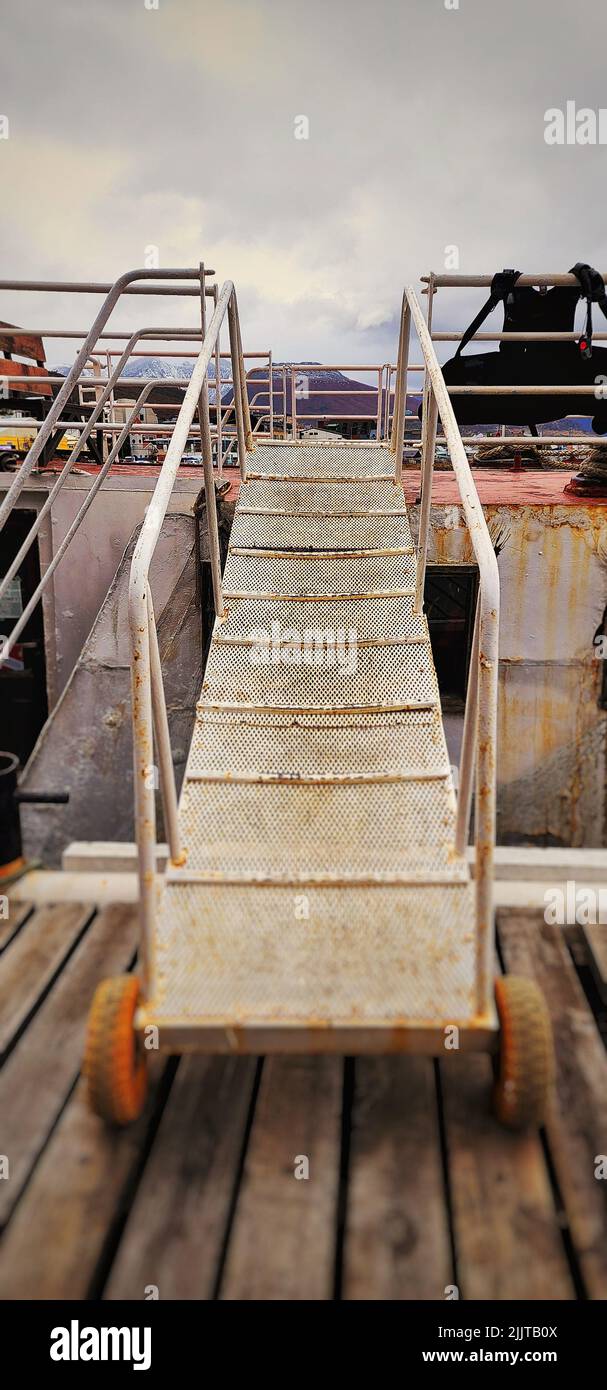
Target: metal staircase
[[321, 896], [318, 895]]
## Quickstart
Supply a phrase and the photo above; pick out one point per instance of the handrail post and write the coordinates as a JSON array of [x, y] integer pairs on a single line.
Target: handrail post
[[271, 392], [385, 424], [293, 406], [485, 800], [426, 502], [211, 502], [387, 427], [427, 385], [218, 425], [236, 387], [246, 410], [206, 446], [401, 407], [467, 760], [163, 742], [429, 315], [397, 388], [143, 775]]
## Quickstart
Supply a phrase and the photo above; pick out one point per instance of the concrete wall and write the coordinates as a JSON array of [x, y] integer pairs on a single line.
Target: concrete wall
[[86, 745], [75, 593], [552, 736]]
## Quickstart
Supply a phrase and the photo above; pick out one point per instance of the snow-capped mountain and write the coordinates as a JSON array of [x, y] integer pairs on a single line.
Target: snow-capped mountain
[[160, 368]]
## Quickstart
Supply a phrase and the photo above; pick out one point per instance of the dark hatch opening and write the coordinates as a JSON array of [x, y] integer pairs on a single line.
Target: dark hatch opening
[[450, 600], [23, 697]]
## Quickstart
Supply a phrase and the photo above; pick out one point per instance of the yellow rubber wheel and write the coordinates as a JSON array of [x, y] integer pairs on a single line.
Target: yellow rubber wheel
[[525, 1068], [114, 1065]]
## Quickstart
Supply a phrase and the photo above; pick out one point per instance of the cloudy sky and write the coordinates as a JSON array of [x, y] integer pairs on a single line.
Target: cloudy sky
[[175, 127]]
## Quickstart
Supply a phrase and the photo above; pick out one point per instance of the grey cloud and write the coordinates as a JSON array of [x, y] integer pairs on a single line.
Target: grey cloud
[[426, 129]]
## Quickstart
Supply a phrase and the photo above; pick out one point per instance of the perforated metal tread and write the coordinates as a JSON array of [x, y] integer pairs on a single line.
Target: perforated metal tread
[[356, 811], [335, 957], [244, 743], [316, 575], [364, 830], [330, 672], [374, 619], [322, 498], [321, 461], [321, 532]]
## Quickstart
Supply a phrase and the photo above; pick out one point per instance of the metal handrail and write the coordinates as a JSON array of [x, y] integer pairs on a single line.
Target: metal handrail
[[480, 720], [149, 713]]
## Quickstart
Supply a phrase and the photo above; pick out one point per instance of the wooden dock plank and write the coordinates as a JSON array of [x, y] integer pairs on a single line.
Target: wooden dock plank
[[58, 1235], [577, 1127], [40, 1072], [17, 914], [175, 1232], [170, 1205], [507, 1236], [397, 1243], [282, 1245], [32, 960]]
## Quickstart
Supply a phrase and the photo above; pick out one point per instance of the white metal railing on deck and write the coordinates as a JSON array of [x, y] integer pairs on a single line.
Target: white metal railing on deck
[[124, 285], [86, 430], [433, 282]]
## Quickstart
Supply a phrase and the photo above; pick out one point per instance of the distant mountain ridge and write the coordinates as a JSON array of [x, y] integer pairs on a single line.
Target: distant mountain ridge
[[161, 368]]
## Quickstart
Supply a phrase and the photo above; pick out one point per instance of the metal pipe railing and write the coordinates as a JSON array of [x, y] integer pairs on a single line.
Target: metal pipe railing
[[483, 722], [86, 429], [206, 448], [97, 287], [163, 740], [520, 337], [114, 292], [482, 281], [427, 469], [148, 699], [237, 364], [218, 420], [469, 735], [400, 401], [7, 642]]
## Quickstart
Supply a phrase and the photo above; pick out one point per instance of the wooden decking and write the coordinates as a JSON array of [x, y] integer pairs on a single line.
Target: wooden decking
[[412, 1187]]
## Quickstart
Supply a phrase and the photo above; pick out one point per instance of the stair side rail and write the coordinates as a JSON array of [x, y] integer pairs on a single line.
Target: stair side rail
[[149, 712], [478, 752]]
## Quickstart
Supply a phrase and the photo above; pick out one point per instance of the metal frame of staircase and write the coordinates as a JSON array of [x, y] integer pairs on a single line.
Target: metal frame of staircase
[[478, 752], [149, 710], [150, 721]]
